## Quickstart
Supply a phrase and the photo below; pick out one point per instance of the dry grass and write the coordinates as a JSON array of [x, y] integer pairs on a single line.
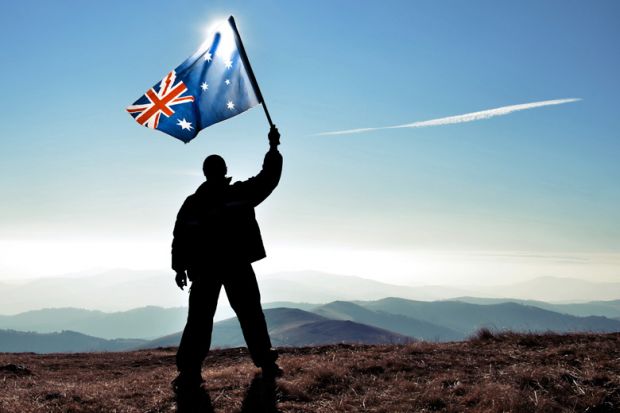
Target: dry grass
[[489, 373]]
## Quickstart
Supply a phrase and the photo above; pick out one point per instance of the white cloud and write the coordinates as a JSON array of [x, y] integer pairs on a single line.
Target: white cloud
[[467, 117]]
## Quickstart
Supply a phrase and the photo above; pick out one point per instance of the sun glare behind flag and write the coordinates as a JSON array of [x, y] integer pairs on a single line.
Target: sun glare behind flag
[[214, 84]]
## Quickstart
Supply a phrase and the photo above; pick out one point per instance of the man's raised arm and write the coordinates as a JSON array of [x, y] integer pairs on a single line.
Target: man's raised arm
[[256, 189]]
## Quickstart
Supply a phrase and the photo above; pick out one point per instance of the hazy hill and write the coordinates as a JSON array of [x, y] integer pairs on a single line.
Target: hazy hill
[[342, 310], [290, 304], [432, 321], [227, 333], [122, 290], [293, 327], [502, 373], [336, 331], [145, 322], [391, 317], [116, 290], [610, 309], [318, 287], [64, 342], [466, 318], [554, 289]]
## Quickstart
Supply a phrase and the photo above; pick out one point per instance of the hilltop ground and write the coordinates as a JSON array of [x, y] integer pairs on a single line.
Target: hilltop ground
[[489, 373]]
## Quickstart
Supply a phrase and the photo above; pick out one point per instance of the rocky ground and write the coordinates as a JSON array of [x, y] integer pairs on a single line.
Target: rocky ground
[[489, 373]]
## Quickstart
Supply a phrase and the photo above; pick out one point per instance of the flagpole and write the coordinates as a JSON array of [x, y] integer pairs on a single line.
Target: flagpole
[[246, 62]]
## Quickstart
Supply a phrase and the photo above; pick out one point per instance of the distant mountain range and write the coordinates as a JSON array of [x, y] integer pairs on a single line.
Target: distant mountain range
[[287, 327], [122, 290], [116, 290], [318, 287], [553, 289], [403, 324], [609, 309], [466, 318], [434, 320], [145, 323], [63, 342], [388, 320], [294, 327]]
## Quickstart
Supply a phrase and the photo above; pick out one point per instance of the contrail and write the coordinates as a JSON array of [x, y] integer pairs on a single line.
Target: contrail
[[467, 117]]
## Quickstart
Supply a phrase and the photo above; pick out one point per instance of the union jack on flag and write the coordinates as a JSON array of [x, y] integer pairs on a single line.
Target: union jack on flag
[[212, 85], [160, 102]]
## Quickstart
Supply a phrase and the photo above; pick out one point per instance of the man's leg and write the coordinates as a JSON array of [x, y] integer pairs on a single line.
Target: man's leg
[[244, 296], [196, 338]]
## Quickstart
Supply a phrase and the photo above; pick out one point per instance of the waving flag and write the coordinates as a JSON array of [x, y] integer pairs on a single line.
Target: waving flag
[[214, 84]]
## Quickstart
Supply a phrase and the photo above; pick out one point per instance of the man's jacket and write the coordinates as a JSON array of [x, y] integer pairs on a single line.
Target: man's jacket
[[218, 223]]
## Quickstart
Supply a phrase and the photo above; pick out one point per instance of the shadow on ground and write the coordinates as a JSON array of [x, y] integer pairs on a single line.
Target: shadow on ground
[[195, 401], [260, 397]]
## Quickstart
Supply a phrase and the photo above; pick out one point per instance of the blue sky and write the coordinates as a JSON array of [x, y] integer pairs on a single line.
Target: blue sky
[[544, 182]]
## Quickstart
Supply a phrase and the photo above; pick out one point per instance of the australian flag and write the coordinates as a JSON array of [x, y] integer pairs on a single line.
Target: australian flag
[[214, 84]]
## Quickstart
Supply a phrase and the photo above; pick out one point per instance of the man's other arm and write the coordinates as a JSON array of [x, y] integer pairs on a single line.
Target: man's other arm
[[179, 246]]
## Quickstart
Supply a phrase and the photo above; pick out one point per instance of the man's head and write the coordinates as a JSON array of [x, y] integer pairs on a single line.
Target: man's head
[[214, 167]]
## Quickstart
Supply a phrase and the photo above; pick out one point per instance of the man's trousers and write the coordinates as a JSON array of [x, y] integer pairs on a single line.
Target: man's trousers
[[241, 288]]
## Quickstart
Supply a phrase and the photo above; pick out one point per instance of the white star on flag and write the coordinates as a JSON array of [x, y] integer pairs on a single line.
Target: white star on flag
[[185, 124], [208, 56], [204, 86], [228, 64], [227, 81], [230, 105]]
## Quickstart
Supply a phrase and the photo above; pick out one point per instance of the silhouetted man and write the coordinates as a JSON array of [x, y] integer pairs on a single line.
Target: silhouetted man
[[216, 239]]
